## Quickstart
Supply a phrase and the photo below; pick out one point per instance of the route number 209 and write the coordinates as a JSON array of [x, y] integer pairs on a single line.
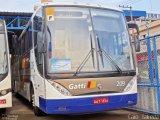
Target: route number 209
[[121, 83]]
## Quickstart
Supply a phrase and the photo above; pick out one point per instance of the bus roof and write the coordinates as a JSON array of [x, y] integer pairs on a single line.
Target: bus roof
[[80, 5]]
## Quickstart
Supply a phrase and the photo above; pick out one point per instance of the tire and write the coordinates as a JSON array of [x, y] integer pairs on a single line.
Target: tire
[[13, 86], [36, 110], [16, 95], [2, 111]]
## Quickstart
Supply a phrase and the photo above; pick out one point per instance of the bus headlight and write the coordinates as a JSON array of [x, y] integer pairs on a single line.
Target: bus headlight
[[60, 88], [4, 92], [129, 86]]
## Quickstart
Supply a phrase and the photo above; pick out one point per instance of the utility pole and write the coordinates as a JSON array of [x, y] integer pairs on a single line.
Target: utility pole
[[147, 24], [131, 15], [130, 7]]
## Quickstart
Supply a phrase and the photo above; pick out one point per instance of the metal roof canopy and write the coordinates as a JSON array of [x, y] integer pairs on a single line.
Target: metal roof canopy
[[135, 13], [15, 20]]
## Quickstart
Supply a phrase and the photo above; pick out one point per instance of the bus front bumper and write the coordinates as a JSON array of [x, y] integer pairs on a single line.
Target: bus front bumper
[[86, 104], [6, 100]]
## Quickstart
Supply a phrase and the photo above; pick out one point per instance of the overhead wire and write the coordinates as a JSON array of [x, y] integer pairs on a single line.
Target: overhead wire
[[131, 2]]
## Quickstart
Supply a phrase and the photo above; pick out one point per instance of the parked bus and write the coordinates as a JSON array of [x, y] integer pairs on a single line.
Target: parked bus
[[75, 58], [5, 72]]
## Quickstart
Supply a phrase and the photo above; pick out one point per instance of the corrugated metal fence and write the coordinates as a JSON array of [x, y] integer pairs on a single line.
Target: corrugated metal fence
[[149, 73]]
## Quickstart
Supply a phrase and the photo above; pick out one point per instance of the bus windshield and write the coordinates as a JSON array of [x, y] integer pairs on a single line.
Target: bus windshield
[[3, 55], [82, 37]]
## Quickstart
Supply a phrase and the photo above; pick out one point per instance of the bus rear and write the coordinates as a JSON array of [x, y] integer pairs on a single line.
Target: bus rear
[[5, 76]]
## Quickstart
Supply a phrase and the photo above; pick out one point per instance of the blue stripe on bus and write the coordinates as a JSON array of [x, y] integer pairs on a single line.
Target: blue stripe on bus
[[85, 105]]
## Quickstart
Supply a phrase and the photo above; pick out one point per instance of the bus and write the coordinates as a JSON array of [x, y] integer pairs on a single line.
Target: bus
[[5, 72], [75, 58]]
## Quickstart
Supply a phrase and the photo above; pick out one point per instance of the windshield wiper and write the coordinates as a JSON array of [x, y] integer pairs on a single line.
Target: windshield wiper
[[101, 51], [91, 52]]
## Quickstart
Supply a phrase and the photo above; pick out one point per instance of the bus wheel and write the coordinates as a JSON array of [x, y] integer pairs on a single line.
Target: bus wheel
[[37, 111], [14, 86], [2, 110]]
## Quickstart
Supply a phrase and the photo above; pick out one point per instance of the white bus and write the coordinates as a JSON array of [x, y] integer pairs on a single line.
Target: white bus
[[5, 72], [75, 58]]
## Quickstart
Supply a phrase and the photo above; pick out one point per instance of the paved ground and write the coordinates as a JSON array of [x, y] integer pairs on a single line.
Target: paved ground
[[22, 110]]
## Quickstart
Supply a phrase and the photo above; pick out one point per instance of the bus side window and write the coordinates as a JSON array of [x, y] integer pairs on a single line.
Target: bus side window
[[21, 47], [26, 41], [37, 30], [30, 36]]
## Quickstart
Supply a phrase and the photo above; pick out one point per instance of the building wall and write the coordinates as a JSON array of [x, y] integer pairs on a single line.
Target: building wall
[[154, 28]]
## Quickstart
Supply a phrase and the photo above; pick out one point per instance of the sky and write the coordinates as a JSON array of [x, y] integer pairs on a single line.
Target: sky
[[151, 6]]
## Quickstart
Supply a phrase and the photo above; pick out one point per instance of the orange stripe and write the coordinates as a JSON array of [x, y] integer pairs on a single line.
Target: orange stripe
[[50, 11], [43, 1], [93, 84]]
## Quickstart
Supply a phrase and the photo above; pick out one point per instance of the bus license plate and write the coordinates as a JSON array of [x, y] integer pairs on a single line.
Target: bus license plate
[[100, 100], [3, 101]]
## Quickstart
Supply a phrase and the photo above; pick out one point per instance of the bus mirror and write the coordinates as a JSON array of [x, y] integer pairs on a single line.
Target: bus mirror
[[136, 37]]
